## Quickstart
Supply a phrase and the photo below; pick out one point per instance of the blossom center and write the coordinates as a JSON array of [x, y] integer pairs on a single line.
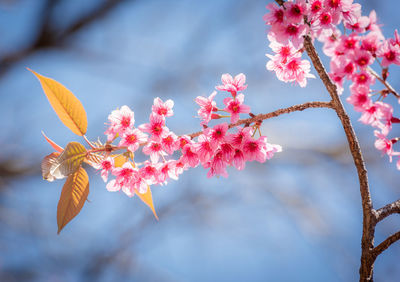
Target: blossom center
[[131, 138], [390, 56], [126, 121], [326, 19], [296, 10], [292, 29], [162, 111], [316, 6], [334, 3], [362, 61], [279, 16]]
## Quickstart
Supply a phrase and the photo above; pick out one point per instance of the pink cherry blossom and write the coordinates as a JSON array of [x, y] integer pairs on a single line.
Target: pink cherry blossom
[[120, 120], [167, 170], [283, 52], [254, 150], [348, 44], [217, 166], [217, 133], [373, 26], [163, 109], [275, 16], [298, 70], [295, 11], [389, 53], [156, 127], [363, 58], [342, 5], [376, 112], [137, 185], [238, 160], [155, 150], [383, 144], [189, 155], [106, 166], [183, 140], [353, 19], [238, 139], [203, 148], [123, 179], [324, 23], [180, 167], [232, 85], [364, 78], [315, 6], [207, 107], [371, 42], [149, 172], [396, 39], [359, 97], [290, 32], [227, 151], [132, 138], [235, 106], [270, 149], [170, 143]]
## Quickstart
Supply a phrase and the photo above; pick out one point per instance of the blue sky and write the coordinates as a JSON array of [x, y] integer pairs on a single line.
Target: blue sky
[[297, 217]]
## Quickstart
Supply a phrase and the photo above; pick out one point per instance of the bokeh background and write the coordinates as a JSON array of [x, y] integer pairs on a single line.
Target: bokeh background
[[295, 218]]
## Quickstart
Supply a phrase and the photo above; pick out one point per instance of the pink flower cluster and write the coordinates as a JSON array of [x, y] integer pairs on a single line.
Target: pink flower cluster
[[169, 155], [351, 53]]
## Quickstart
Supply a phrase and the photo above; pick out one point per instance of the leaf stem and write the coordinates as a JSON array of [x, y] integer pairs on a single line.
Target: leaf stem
[[87, 141]]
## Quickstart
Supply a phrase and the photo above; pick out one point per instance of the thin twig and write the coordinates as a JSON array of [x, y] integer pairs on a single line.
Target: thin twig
[[385, 244], [388, 210], [384, 82], [276, 113]]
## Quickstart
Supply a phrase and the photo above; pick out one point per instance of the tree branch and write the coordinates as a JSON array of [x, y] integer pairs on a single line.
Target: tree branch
[[261, 117], [385, 244], [369, 218], [388, 210]]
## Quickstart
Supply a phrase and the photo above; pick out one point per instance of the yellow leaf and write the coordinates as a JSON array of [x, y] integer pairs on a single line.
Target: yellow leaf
[[119, 160], [73, 196], [147, 198], [67, 107], [70, 159]]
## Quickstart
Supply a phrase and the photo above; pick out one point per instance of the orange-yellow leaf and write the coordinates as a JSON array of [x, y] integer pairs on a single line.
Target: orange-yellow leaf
[[73, 196], [67, 107], [119, 160], [52, 143], [147, 198], [70, 159]]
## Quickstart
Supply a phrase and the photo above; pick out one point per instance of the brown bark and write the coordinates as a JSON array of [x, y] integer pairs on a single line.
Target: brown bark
[[369, 218]]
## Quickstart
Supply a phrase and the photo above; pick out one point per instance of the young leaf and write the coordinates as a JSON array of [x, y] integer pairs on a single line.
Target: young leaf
[[47, 163], [147, 198], [73, 196], [70, 159], [119, 160], [52, 143], [68, 108]]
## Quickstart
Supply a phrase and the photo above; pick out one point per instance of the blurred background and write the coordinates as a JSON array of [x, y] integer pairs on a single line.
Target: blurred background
[[295, 218]]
